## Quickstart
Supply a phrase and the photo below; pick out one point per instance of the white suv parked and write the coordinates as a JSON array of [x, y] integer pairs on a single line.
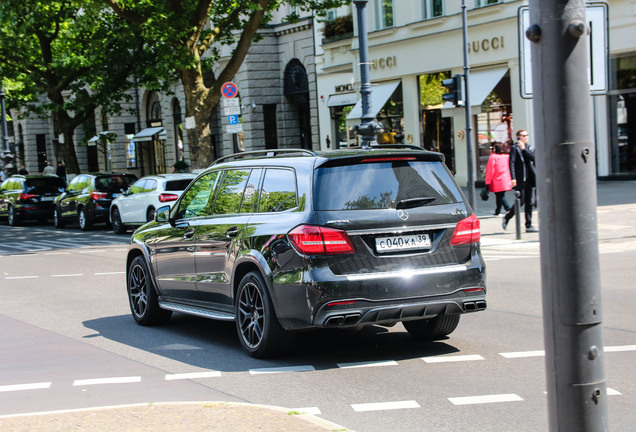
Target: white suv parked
[[140, 202]]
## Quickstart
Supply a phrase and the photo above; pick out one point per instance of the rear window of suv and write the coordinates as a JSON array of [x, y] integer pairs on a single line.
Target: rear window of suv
[[383, 185], [45, 185], [177, 185], [114, 184]]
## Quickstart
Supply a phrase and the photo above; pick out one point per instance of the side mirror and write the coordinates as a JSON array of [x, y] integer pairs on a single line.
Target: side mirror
[[163, 215]]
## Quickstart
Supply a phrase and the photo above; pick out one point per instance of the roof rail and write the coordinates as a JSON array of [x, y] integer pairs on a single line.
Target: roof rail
[[266, 153], [390, 146]]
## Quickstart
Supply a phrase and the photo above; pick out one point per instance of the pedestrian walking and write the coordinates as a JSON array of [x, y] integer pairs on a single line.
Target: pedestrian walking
[[48, 169], [498, 177], [61, 171], [523, 178], [23, 170]]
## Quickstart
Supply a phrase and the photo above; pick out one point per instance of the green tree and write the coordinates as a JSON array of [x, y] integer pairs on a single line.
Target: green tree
[[188, 36], [431, 89], [76, 53]]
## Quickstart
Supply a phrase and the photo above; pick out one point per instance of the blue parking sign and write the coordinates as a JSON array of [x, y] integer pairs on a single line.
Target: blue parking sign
[[232, 119]]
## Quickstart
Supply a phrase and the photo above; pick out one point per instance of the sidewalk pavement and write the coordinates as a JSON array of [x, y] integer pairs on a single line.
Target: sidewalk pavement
[[616, 220], [171, 417], [617, 226]]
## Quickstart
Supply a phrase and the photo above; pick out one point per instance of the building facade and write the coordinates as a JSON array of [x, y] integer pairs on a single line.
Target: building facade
[[414, 44]]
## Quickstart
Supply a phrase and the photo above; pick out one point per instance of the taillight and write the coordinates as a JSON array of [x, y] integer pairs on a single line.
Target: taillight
[[316, 240], [389, 159], [466, 231], [99, 195], [26, 196], [166, 197]]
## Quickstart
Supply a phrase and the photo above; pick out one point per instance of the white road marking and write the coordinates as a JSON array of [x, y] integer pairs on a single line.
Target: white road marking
[[57, 253], [620, 348], [457, 358], [612, 392], [193, 375], [367, 364], [282, 369], [93, 251], [18, 387], [21, 277], [383, 406], [113, 380], [522, 354], [67, 275], [109, 273], [473, 400]]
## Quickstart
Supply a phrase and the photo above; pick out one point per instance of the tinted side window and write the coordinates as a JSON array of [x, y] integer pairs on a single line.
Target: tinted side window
[[113, 184], [177, 185], [44, 185], [150, 185], [250, 197], [381, 185], [279, 191], [231, 191], [137, 187], [76, 183], [197, 200]]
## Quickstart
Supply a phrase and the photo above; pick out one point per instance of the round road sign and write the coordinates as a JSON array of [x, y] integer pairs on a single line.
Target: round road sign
[[229, 90]]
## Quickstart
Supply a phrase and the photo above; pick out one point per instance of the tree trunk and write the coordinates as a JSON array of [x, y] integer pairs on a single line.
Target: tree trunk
[[67, 150]]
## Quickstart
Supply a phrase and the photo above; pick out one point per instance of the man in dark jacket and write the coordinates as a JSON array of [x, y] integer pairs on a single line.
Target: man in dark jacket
[[523, 175]]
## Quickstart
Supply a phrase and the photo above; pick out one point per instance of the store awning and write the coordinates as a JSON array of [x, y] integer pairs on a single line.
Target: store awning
[[380, 94], [148, 134], [481, 83], [93, 140], [342, 99]]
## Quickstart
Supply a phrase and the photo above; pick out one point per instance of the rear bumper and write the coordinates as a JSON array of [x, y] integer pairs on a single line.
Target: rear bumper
[[326, 300]]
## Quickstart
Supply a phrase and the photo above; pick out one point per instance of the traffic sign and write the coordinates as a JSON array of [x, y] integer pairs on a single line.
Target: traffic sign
[[598, 45], [230, 102], [233, 119], [234, 128], [229, 90], [232, 110]]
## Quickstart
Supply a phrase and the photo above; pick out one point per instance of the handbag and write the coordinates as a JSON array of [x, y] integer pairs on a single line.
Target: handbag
[[484, 194]]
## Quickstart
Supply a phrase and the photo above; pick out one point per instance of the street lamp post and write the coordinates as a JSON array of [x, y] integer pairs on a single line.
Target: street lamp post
[[367, 127], [6, 154]]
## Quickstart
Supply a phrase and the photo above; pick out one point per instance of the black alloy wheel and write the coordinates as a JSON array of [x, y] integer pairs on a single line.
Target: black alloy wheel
[[116, 223], [142, 296], [259, 331], [57, 218], [82, 217], [14, 220], [150, 214], [432, 328]]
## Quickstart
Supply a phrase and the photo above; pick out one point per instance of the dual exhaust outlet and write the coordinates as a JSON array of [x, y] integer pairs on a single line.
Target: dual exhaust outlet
[[475, 306]]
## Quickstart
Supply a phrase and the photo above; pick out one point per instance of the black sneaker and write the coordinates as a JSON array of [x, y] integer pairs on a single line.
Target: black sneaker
[[504, 223], [531, 229]]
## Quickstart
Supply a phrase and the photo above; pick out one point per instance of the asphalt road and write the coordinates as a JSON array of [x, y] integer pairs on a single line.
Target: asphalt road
[[67, 341]]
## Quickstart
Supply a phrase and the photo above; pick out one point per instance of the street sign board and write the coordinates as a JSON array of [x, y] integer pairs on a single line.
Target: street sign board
[[598, 45], [234, 128], [229, 90], [229, 102], [232, 110], [232, 119]]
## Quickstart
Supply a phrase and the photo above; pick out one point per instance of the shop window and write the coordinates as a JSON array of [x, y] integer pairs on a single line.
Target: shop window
[[623, 116], [131, 147], [436, 130], [383, 14], [432, 8]]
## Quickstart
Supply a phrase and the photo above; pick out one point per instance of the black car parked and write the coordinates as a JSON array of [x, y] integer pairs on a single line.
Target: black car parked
[[25, 197], [87, 198], [286, 240]]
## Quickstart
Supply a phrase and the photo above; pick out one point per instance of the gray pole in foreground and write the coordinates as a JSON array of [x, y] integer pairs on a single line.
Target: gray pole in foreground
[[470, 150], [566, 173], [367, 127]]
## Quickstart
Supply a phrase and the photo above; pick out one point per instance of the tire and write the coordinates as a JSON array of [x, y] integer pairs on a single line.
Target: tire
[[433, 328], [84, 223], [58, 222], [13, 218], [259, 331], [150, 214], [116, 223], [142, 296]]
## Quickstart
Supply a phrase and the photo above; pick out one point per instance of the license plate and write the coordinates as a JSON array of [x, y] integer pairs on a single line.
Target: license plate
[[44, 198], [116, 196], [402, 243]]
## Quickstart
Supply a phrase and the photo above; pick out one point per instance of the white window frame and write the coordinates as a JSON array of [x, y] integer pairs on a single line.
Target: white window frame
[[428, 6], [380, 17], [482, 3]]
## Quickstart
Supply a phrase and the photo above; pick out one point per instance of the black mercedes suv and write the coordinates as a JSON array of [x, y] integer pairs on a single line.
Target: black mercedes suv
[[285, 240], [25, 197], [87, 198]]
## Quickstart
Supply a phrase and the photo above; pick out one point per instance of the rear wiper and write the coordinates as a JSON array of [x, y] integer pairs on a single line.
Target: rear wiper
[[414, 202]]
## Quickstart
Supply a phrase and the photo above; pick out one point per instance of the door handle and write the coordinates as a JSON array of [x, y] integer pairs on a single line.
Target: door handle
[[188, 234], [232, 232]]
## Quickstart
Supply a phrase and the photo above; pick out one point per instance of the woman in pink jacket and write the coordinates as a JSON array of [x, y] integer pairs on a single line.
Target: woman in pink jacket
[[498, 177]]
